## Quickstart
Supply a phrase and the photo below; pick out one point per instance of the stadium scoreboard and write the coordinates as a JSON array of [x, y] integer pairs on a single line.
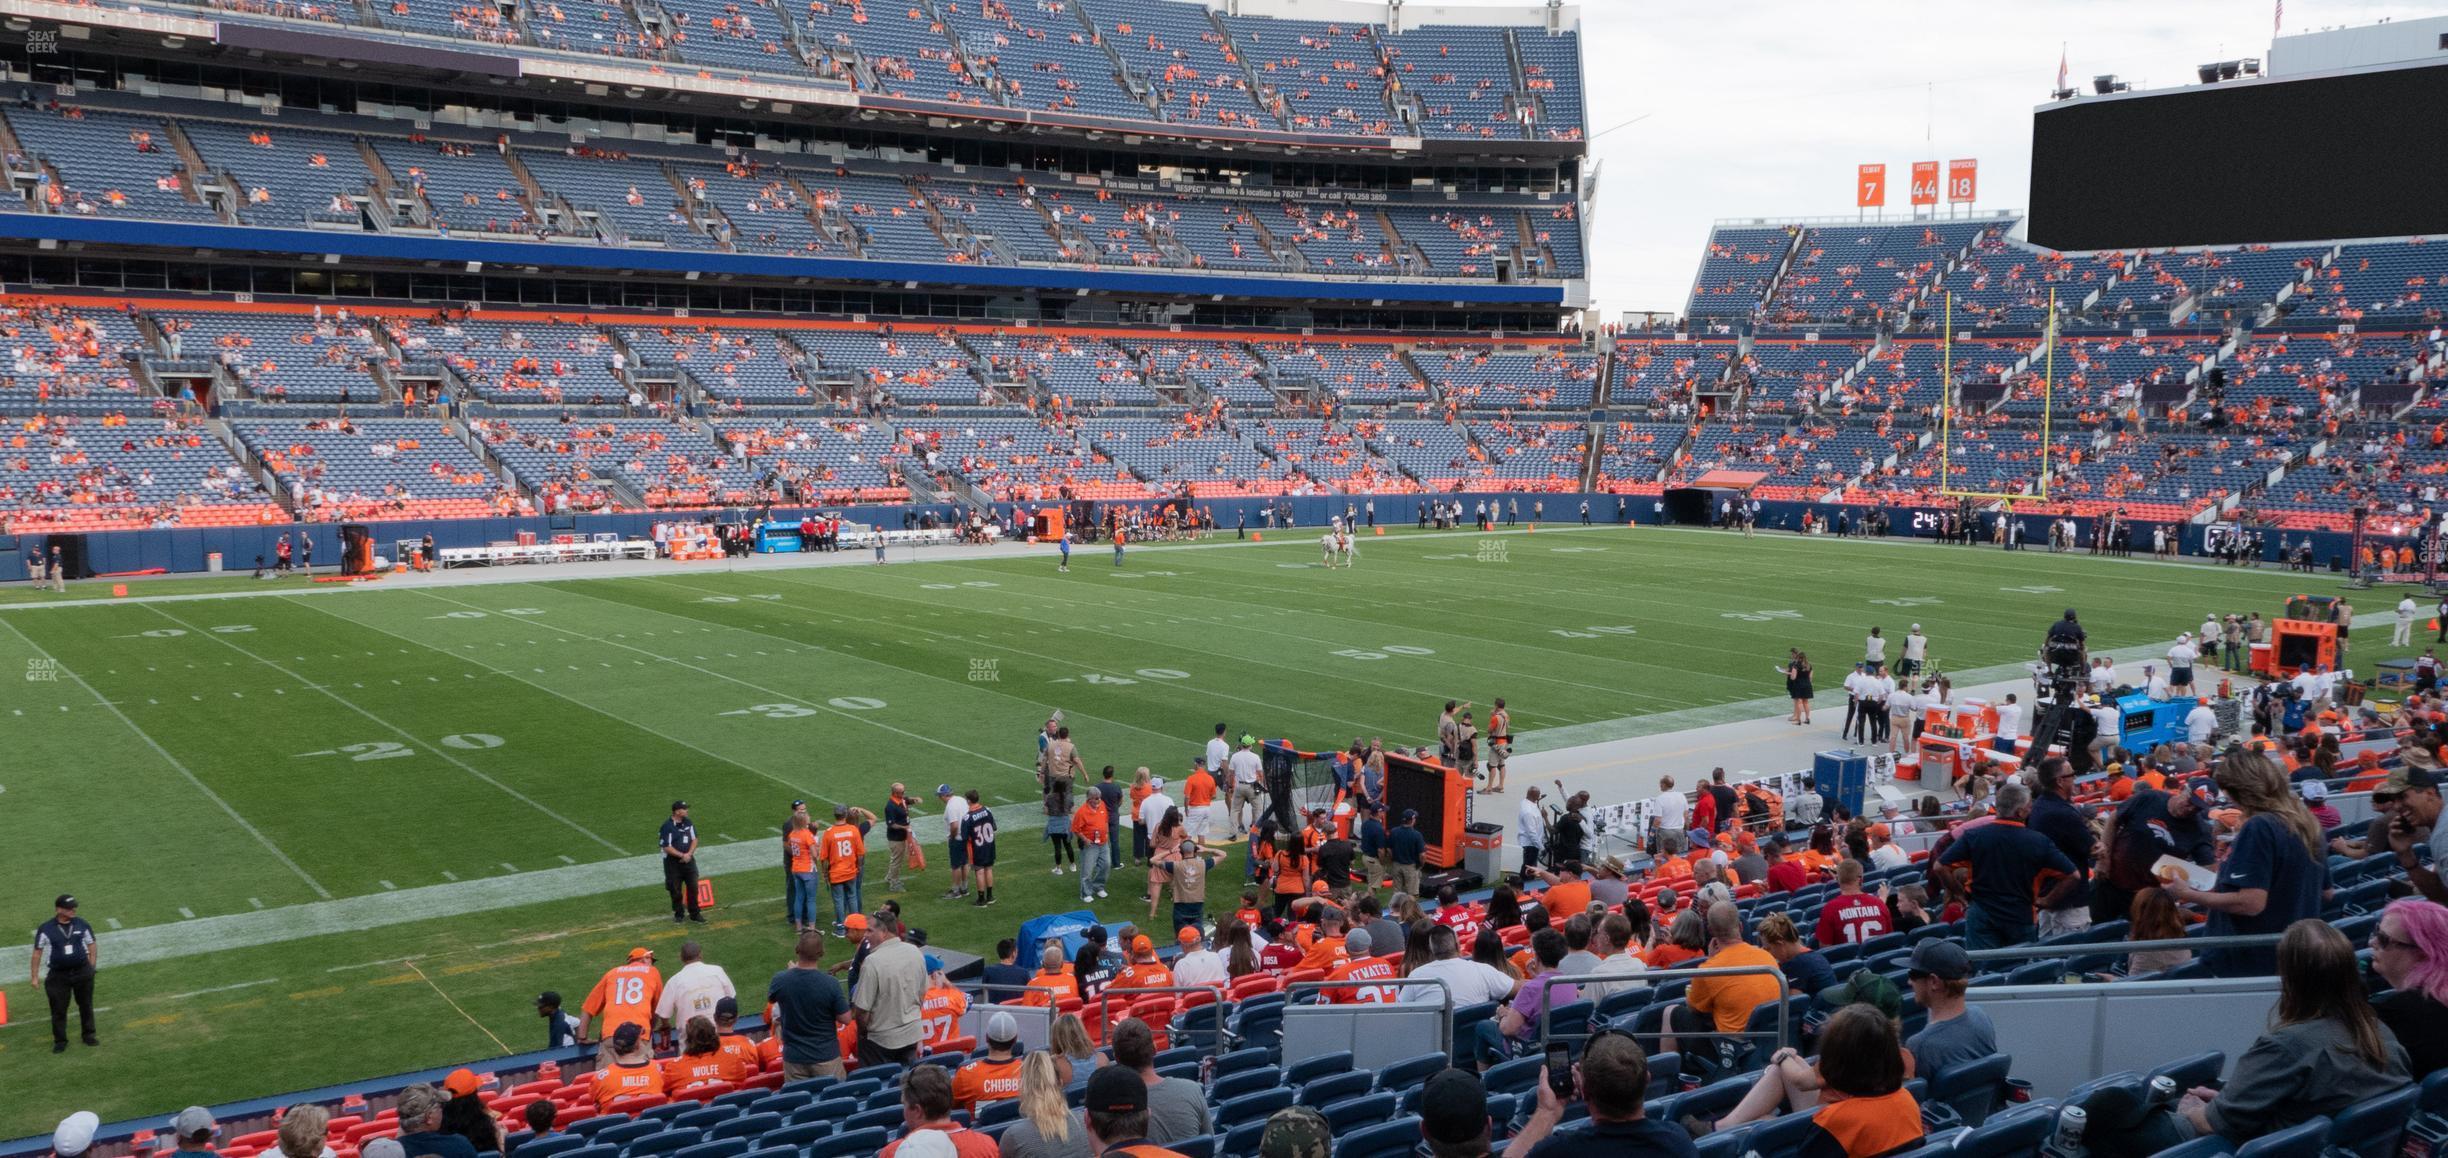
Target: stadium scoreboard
[[2268, 160]]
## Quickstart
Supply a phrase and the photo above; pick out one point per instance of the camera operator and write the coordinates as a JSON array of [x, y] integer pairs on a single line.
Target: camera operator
[[1613, 1077], [2065, 645]]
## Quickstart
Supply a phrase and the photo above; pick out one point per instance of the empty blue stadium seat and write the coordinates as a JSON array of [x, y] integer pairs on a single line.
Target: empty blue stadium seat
[[1250, 1107], [707, 1117], [850, 1144], [1411, 1071], [1243, 1138], [1394, 1139], [2303, 1140], [885, 1117], [1780, 1135], [1234, 1085], [1512, 1077], [626, 1132], [1203, 1146], [1243, 1059], [1354, 1113], [724, 1148], [827, 1110], [2016, 1133], [774, 1103], [746, 1126], [1335, 1088], [1973, 1089], [1000, 1110], [588, 1127], [1310, 1069], [2372, 1128], [795, 1135], [593, 1152], [2192, 1070]]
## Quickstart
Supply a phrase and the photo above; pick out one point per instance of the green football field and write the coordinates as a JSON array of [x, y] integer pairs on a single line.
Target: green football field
[[356, 831]]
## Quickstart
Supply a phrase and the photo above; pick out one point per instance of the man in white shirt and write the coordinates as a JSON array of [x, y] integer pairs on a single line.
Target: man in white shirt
[[1874, 649], [1217, 753], [2010, 723], [1916, 652], [1247, 771], [1152, 810], [2103, 675], [693, 990], [2154, 685], [955, 807], [1901, 704], [1855, 721], [2307, 685], [1668, 807], [2402, 635], [2180, 664], [1531, 831], [1469, 982], [1882, 695], [1198, 964], [2110, 723], [2201, 722]]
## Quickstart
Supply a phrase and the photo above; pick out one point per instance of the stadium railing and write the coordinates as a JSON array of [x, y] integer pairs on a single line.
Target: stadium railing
[[2065, 1035], [1374, 1034]]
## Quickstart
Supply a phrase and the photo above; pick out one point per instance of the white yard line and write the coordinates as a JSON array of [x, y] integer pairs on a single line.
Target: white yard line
[[177, 766], [402, 733]]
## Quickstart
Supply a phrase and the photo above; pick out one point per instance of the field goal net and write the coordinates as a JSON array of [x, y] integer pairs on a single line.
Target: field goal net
[[1978, 460]]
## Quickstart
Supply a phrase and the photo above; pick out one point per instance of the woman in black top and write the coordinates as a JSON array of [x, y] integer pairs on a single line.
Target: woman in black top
[[1797, 671], [2410, 952]]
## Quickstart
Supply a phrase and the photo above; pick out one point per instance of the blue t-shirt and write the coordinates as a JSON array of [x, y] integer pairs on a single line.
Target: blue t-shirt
[[2066, 827], [1810, 973], [2008, 862], [808, 1003], [2265, 856], [1407, 844], [1006, 982], [1647, 1138], [1372, 837]]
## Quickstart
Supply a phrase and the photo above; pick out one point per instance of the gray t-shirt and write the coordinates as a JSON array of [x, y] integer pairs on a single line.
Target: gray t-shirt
[[1024, 1140], [1577, 963], [890, 987], [1953, 1042], [1177, 1110]]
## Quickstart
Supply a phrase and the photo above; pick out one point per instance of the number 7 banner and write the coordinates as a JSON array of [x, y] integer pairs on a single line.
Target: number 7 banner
[[1870, 187]]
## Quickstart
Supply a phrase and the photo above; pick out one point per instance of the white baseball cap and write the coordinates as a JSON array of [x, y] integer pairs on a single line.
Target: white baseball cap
[[75, 1134]]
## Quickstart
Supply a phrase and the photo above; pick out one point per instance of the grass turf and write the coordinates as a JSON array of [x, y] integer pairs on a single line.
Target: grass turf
[[278, 751]]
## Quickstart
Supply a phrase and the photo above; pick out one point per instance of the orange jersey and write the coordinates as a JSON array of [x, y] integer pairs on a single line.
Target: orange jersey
[[939, 1016], [985, 1081], [1152, 975], [1199, 790], [1138, 796], [740, 1057], [612, 1083], [769, 1052], [694, 1069], [844, 848], [1291, 873], [1361, 969], [801, 846], [625, 993], [1324, 953], [1048, 989], [1250, 917]]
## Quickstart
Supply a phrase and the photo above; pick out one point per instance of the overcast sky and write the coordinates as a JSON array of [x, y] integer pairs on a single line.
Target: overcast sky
[[1764, 107]]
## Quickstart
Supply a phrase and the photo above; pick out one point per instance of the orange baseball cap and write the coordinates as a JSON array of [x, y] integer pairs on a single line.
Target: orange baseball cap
[[1140, 944], [855, 922], [1880, 832], [1319, 888], [1188, 936], [640, 953], [462, 1082]]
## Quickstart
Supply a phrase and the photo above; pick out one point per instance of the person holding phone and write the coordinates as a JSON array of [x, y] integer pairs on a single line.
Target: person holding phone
[[1613, 1078]]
